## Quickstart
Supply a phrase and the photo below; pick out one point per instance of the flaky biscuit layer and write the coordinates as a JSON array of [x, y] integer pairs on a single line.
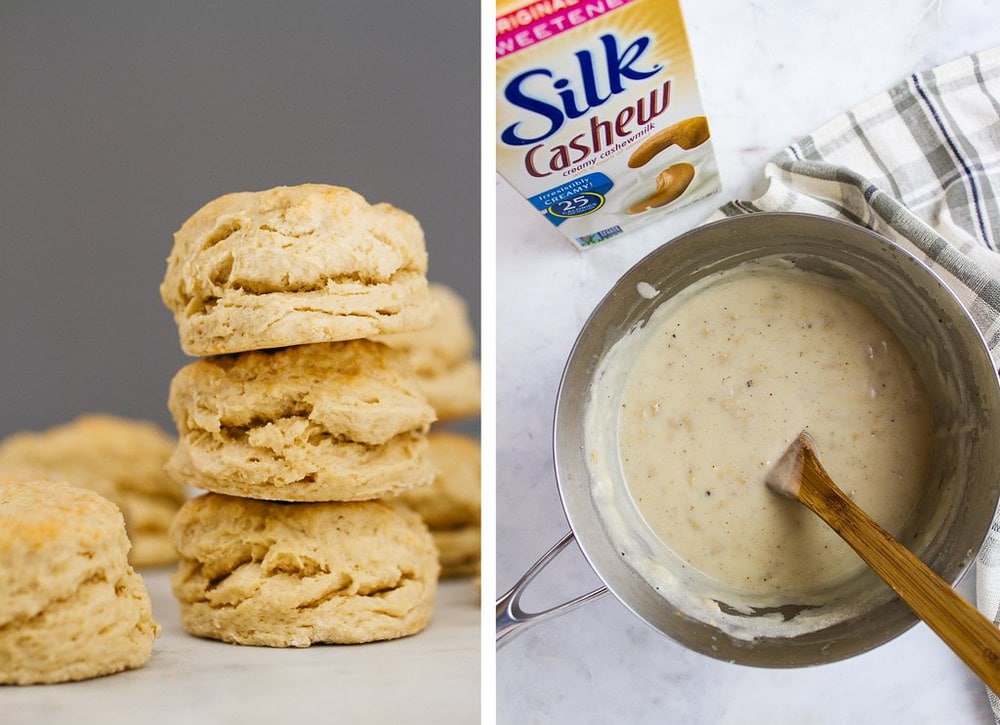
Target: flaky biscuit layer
[[291, 575], [334, 421]]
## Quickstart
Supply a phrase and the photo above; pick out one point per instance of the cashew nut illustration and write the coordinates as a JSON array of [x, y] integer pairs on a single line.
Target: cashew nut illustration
[[687, 134], [670, 184]]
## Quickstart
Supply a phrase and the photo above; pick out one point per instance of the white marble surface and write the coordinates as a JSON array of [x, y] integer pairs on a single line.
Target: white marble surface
[[769, 72], [432, 677]]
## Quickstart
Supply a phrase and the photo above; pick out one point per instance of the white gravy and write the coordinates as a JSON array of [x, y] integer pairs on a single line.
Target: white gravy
[[713, 388]]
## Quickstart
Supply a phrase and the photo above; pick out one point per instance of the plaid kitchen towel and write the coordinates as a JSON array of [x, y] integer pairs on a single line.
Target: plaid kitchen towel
[[919, 164]]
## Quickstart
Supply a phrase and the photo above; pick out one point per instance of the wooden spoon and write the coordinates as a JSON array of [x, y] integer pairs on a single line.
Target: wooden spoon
[[799, 475]]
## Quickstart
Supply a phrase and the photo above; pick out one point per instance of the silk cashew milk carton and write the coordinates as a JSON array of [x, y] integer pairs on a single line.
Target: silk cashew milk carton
[[599, 121]]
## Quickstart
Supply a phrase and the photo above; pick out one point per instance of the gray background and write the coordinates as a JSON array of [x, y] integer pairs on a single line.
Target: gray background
[[118, 120]]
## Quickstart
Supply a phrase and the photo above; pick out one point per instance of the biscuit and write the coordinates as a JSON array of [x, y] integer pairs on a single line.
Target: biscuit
[[295, 265], [72, 607], [442, 355], [451, 506], [459, 551], [291, 575], [342, 421], [120, 459]]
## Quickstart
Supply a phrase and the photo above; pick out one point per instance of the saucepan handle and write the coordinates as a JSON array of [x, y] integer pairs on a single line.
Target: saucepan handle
[[512, 620]]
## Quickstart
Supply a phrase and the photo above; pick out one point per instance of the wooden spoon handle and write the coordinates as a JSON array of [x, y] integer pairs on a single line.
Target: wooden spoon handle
[[974, 638]]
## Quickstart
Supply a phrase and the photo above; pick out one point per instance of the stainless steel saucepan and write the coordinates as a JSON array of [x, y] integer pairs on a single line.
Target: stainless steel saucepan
[[962, 490]]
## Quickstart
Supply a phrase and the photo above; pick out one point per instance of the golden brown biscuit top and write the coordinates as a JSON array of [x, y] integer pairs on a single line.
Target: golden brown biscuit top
[[288, 239], [36, 515]]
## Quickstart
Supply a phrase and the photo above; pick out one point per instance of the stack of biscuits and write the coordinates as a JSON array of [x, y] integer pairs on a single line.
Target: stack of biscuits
[[303, 430]]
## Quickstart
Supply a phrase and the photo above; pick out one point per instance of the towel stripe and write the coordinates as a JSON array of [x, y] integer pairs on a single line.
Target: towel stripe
[[984, 235]]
